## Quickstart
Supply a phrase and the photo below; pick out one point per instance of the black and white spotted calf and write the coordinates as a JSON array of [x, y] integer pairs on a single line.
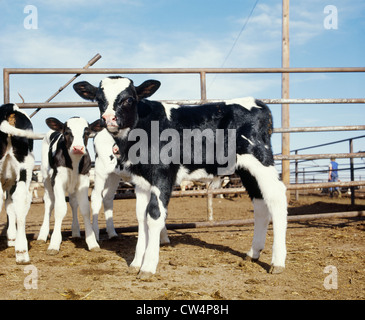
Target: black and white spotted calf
[[158, 149], [16, 166], [65, 169], [108, 173]]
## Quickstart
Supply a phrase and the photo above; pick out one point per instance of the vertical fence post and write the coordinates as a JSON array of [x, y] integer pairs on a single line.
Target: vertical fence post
[[209, 205], [296, 177], [203, 87], [6, 86], [285, 122], [352, 172]]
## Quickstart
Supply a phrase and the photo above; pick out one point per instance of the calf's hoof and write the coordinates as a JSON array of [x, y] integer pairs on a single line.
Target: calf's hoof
[[39, 242], [143, 275], [23, 262], [276, 269], [133, 270], [248, 258], [22, 257], [52, 252]]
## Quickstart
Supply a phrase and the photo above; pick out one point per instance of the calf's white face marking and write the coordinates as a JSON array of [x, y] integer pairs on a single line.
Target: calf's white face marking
[[112, 88], [77, 127]]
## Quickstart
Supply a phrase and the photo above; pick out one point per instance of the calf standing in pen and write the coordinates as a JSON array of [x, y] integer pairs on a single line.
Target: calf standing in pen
[[107, 177], [108, 172], [16, 166], [159, 159], [65, 169]]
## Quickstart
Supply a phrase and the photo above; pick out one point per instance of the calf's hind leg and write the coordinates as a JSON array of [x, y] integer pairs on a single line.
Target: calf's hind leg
[[262, 219], [269, 196], [21, 199]]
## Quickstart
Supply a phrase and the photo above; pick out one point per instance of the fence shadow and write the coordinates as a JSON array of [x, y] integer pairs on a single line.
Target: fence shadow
[[323, 207]]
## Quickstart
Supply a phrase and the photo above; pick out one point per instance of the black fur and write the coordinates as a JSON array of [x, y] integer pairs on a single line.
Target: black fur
[[253, 128]]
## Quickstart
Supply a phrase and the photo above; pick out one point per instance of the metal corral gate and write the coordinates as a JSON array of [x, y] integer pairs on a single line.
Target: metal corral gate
[[284, 157]]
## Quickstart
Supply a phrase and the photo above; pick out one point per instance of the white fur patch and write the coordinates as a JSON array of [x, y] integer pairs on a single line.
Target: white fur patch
[[168, 107], [112, 87], [141, 182], [54, 146], [247, 102], [249, 141], [200, 174], [122, 134], [267, 177]]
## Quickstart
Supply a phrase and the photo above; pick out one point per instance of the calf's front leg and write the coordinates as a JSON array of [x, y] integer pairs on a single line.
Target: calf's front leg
[[142, 200], [60, 211], [75, 221], [49, 201], [83, 201], [156, 213]]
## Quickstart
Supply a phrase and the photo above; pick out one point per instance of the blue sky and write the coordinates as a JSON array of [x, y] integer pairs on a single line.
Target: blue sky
[[194, 33]]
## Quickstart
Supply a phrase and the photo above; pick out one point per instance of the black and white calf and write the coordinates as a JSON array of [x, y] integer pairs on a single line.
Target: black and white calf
[[106, 180], [16, 166], [65, 169], [156, 152], [108, 173]]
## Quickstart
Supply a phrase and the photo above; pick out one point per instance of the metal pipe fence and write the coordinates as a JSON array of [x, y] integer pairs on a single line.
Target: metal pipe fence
[[202, 72]]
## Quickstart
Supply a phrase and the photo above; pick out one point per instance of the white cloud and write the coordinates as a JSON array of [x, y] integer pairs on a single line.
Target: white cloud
[[134, 47]]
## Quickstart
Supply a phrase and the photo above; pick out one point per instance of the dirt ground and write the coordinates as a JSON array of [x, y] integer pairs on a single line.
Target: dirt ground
[[200, 264]]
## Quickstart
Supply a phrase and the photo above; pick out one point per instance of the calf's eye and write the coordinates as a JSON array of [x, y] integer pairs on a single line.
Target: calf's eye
[[128, 101]]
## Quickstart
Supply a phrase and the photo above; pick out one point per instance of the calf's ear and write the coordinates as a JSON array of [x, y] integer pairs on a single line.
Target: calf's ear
[[96, 126], [85, 90], [54, 124], [147, 88]]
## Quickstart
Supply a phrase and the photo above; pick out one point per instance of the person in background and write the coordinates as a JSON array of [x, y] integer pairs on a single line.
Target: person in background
[[333, 176]]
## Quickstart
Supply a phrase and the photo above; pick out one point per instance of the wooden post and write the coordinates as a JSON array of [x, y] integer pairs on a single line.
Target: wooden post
[[210, 206], [285, 120]]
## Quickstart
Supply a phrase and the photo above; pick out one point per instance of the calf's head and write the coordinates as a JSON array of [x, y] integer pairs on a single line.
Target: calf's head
[[117, 98], [76, 132]]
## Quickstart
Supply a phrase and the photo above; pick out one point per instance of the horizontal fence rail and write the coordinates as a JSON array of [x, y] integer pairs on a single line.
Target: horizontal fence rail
[[177, 70], [202, 72], [241, 190], [31, 105], [319, 156]]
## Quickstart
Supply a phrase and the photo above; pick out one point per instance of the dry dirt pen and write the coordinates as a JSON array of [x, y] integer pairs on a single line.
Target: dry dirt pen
[[204, 263]]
